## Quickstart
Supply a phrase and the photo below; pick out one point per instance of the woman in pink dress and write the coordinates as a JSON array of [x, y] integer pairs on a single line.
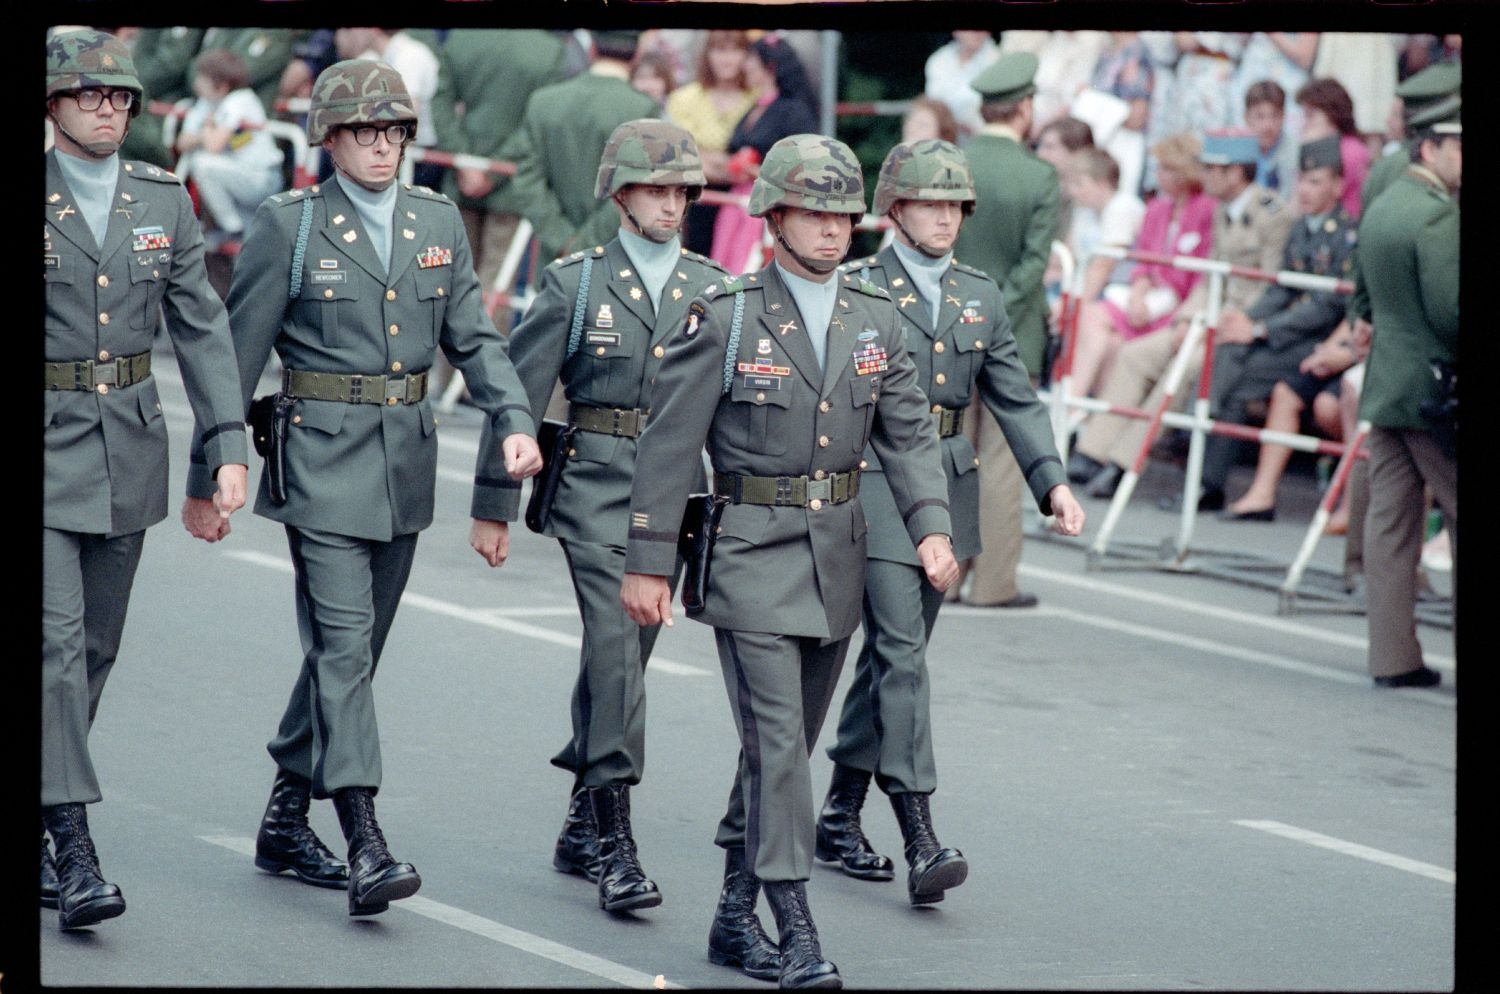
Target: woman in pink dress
[[1328, 110], [1178, 221]]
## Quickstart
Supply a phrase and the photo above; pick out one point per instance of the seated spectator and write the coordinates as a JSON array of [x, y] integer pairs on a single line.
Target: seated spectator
[[1178, 221], [1104, 215], [927, 118], [708, 107], [231, 160], [1124, 71], [1265, 115], [1055, 144], [951, 69], [1316, 386], [1328, 112], [784, 107], [1266, 343], [652, 74], [1249, 232]]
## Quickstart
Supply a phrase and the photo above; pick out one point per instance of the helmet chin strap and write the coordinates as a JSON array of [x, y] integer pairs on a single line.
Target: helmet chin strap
[[657, 235], [926, 250], [820, 266], [373, 189], [94, 150]]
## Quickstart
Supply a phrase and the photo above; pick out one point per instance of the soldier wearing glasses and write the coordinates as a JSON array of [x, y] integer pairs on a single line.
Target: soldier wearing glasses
[[356, 283], [122, 247]]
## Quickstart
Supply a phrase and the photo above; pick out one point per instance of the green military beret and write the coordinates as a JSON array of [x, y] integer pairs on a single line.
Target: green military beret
[[1321, 153], [1009, 79], [1443, 117], [1430, 85]]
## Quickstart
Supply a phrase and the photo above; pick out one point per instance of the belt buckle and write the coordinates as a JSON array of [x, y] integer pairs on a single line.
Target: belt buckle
[[395, 390], [783, 491], [108, 372], [820, 489], [619, 417]]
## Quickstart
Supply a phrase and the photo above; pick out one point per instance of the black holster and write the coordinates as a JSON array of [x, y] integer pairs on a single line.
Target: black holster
[[553, 438], [269, 417], [1441, 412], [695, 544]]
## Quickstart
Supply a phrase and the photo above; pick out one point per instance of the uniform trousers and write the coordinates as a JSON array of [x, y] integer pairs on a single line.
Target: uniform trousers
[[886, 727], [347, 592], [609, 698], [779, 689], [1402, 460], [991, 575], [86, 582]]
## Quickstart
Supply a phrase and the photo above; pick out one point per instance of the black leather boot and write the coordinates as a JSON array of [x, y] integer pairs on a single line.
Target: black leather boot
[[375, 878], [840, 838], [622, 883], [934, 868], [49, 873], [737, 938], [802, 962], [577, 848], [286, 842], [83, 897]]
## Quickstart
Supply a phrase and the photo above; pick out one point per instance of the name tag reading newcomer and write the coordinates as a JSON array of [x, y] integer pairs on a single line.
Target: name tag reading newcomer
[[337, 277]]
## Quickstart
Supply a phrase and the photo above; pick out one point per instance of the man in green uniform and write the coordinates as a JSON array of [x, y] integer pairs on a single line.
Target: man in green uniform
[[599, 321], [1008, 236], [562, 136], [956, 332], [122, 247], [1409, 250], [485, 76], [786, 374], [356, 283], [1267, 342]]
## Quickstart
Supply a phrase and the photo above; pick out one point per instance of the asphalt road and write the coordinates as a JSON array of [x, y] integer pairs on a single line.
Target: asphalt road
[[1158, 781]]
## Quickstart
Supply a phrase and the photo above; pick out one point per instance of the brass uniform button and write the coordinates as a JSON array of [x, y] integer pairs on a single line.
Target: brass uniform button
[[760, 396], [327, 294], [104, 317], [395, 367], [823, 441], [296, 419], [659, 351], [442, 291], [976, 460], [103, 280], [937, 408], [819, 475], [395, 329], [390, 402], [104, 356], [864, 464], [103, 388], [940, 379], [815, 504], [155, 273], [824, 406], [937, 347], [572, 452], [390, 295], [599, 350], [979, 343]]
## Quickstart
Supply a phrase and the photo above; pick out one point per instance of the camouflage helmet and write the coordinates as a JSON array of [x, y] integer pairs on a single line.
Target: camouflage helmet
[[81, 59], [929, 169], [357, 91], [814, 172], [650, 152]]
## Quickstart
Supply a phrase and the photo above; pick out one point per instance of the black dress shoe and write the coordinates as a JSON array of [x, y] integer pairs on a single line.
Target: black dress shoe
[[84, 897], [1422, 676], [1082, 468], [287, 843], [1105, 482], [49, 874], [1264, 514], [840, 838], [375, 878], [577, 849]]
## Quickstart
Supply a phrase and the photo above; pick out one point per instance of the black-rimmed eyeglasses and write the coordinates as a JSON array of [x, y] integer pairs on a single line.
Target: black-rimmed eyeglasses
[[92, 99], [396, 134]]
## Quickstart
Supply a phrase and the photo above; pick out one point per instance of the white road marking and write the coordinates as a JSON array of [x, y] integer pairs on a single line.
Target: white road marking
[[484, 618], [576, 959], [1352, 849]]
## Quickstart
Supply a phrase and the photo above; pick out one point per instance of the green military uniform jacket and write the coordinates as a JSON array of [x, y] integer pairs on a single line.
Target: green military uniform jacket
[[1409, 251], [164, 64], [1299, 318], [789, 570], [365, 470], [485, 76], [1386, 171], [105, 463], [971, 345], [557, 154], [1010, 234], [620, 349], [1256, 241]]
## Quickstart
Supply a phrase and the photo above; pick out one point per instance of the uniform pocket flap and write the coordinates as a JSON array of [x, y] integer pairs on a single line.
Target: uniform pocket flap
[[326, 416], [761, 391], [746, 522], [864, 390], [434, 282], [59, 268], [960, 455]]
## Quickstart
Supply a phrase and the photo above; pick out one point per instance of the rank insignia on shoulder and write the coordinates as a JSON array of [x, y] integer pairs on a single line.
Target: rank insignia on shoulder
[[732, 284], [435, 256], [640, 520], [149, 239]]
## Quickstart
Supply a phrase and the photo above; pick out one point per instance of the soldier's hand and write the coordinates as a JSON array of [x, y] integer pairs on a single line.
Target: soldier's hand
[[491, 539], [475, 183], [202, 519], [1067, 513], [936, 553], [647, 599], [230, 496], [522, 457]]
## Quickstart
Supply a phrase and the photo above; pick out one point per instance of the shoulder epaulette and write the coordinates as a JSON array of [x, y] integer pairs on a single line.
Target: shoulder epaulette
[[145, 170], [570, 259], [732, 284], [426, 193], [704, 260], [868, 288], [964, 267], [297, 195]]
